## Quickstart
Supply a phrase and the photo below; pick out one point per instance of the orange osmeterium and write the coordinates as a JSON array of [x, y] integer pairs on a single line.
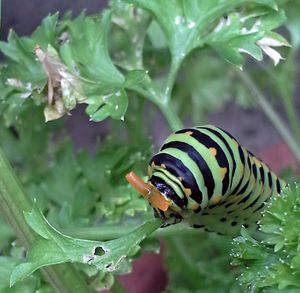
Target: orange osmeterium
[[151, 193]]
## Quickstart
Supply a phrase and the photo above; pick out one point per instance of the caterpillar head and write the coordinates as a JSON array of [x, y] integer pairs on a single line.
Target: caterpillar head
[[156, 199]]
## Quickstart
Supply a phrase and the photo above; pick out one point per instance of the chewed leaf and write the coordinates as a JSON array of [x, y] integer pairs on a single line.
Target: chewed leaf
[[59, 248]]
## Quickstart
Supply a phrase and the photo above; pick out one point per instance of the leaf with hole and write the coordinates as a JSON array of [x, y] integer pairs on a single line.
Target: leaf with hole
[[59, 248]]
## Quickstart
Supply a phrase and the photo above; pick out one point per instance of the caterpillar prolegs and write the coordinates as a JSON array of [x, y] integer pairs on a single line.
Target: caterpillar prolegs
[[203, 176]]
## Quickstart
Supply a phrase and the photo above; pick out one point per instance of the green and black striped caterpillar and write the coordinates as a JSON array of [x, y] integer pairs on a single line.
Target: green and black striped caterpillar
[[203, 176]]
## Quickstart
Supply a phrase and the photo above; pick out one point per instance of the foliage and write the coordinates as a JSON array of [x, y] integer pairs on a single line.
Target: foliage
[[182, 57], [273, 264]]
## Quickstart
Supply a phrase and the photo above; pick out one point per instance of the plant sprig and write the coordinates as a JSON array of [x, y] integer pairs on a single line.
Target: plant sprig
[[273, 264]]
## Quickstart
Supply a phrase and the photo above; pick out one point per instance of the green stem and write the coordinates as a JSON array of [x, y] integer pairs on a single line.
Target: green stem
[[286, 94], [271, 114], [152, 94], [172, 75], [171, 116], [165, 104], [289, 106], [13, 203], [113, 232], [163, 98]]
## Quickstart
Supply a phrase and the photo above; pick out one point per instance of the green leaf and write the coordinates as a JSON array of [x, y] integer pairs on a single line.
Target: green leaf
[[23, 75], [229, 42], [129, 28], [235, 36], [80, 70], [102, 82], [188, 24], [113, 105], [45, 33], [80, 189], [20, 50], [106, 256], [87, 51]]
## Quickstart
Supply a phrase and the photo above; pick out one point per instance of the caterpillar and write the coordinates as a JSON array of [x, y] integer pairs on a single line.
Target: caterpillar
[[203, 176]]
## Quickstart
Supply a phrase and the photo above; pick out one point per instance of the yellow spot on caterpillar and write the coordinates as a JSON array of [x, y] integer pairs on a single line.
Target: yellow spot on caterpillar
[[235, 142], [150, 171], [223, 171], [257, 161], [195, 206], [187, 192], [261, 187], [163, 166], [242, 169], [216, 199], [180, 178], [189, 133], [213, 151]]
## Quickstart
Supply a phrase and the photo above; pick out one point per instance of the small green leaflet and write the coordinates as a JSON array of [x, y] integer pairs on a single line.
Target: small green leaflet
[[134, 77], [114, 105]]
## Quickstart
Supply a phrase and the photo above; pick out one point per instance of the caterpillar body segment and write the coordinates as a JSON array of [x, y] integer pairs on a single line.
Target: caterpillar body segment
[[207, 179]]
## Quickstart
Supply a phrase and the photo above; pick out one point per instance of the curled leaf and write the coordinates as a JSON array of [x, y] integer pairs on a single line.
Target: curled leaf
[[64, 90], [268, 42], [53, 247]]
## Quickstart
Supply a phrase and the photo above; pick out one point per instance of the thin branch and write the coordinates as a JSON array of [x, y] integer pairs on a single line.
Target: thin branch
[[271, 114]]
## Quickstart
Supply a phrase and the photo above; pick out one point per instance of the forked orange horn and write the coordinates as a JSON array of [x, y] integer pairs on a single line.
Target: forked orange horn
[[150, 192]]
